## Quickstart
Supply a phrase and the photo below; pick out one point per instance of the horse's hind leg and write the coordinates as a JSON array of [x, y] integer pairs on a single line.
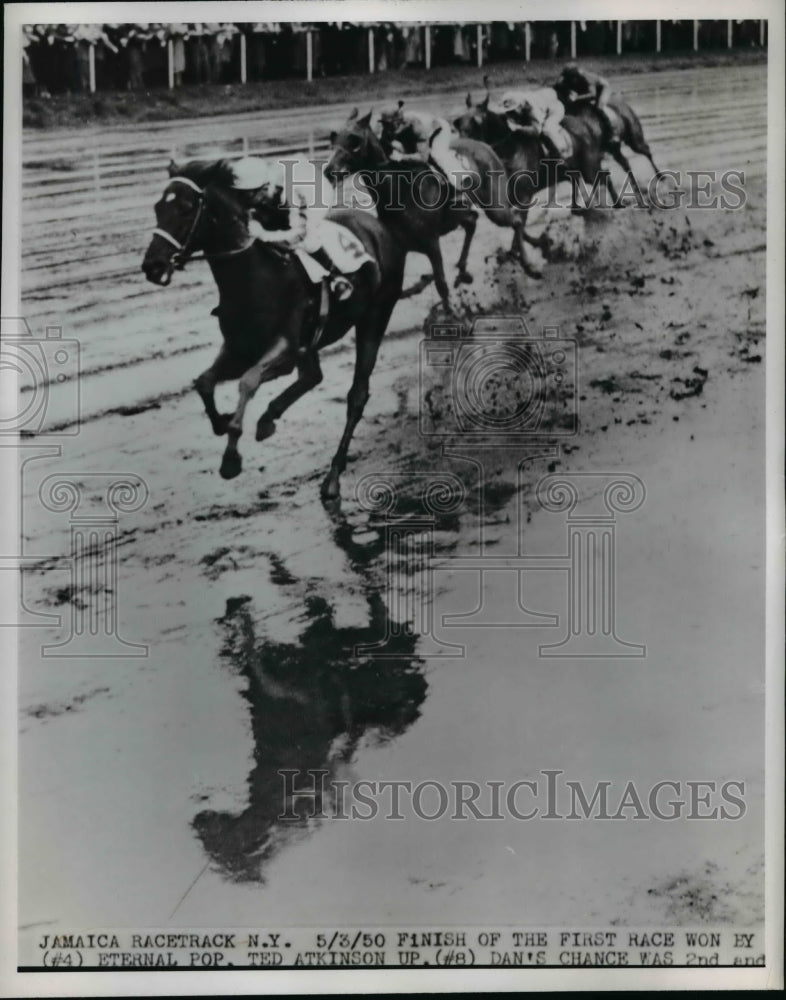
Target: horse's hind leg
[[434, 254], [468, 224], [624, 162], [368, 336], [606, 180], [224, 368], [231, 463], [309, 376], [646, 152]]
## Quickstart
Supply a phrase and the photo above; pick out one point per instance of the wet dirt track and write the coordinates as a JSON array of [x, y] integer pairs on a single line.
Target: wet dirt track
[[251, 597]]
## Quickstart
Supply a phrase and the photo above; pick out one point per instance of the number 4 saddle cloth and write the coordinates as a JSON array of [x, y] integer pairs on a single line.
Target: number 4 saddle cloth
[[341, 245]]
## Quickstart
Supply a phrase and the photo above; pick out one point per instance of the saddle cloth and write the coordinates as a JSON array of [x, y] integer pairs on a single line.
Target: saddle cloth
[[342, 246]]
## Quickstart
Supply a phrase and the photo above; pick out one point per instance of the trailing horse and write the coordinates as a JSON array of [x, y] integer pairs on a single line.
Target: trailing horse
[[529, 169], [629, 131], [417, 203], [269, 310]]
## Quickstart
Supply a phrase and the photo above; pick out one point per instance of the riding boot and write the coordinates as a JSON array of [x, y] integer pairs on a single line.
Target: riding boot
[[340, 285], [552, 151]]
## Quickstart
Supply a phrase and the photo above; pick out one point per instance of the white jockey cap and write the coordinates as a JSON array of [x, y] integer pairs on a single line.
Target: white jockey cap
[[508, 102], [252, 172]]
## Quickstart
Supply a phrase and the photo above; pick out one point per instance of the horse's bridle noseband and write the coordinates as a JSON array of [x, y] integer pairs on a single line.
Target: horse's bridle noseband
[[183, 250]]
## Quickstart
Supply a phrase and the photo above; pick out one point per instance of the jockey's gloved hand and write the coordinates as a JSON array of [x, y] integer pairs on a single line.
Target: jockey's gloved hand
[[256, 231]]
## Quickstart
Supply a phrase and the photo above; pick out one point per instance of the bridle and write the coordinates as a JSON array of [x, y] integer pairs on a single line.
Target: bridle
[[368, 149], [183, 252]]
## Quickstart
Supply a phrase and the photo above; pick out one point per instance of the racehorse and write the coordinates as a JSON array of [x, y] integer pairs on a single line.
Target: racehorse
[[630, 131], [269, 310], [416, 201], [525, 161]]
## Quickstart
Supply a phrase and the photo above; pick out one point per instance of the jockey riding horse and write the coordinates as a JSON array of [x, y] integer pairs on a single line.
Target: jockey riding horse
[[272, 197]]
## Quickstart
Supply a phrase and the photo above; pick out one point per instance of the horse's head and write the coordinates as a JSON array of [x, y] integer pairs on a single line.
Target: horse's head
[[473, 123], [355, 148], [197, 211]]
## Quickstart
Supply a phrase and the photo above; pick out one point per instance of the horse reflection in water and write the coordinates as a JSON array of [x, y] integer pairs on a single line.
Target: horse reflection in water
[[311, 702]]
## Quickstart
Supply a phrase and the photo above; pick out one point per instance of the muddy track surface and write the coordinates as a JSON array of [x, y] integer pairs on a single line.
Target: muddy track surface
[[252, 599]]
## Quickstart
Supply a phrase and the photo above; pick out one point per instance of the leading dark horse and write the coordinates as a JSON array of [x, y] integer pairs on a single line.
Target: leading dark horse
[[416, 202], [269, 309]]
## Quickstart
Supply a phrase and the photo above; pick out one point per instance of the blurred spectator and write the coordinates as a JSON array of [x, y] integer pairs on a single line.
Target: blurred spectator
[[87, 37], [57, 58], [226, 42], [29, 83], [178, 34], [413, 45], [198, 63], [133, 39]]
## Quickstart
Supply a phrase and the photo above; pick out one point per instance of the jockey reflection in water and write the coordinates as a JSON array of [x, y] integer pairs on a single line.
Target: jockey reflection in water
[[299, 225]]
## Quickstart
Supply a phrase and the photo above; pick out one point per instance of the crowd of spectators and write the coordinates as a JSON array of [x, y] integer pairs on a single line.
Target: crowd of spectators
[[57, 57]]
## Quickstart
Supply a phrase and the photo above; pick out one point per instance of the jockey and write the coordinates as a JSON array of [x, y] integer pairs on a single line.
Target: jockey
[[431, 135], [264, 184], [536, 109], [577, 84]]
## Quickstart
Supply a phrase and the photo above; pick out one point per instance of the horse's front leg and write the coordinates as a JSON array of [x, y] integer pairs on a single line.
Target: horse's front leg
[[518, 247], [309, 375], [262, 371], [368, 336], [468, 225], [225, 367]]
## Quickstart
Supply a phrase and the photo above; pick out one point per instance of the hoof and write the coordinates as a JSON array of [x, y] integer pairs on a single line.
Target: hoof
[[463, 278], [231, 465], [265, 428], [330, 489]]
